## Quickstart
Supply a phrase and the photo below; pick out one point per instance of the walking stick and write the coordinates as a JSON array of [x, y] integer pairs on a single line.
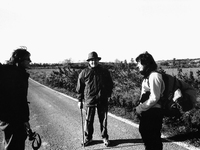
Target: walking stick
[[82, 127]]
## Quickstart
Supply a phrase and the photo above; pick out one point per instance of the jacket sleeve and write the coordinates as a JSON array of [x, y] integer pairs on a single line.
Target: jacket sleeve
[[80, 87], [110, 84]]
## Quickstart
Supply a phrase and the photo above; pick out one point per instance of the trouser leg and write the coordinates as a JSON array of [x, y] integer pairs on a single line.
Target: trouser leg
[[102, 114], [150, 127], [89, 129]]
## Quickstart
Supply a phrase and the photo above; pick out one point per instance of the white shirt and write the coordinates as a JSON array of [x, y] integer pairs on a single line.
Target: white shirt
[[156, 86]]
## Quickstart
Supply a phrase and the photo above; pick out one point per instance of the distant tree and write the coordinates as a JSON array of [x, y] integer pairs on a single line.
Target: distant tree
[[126, 66], [67, 61], [132, 60], [117, 61], [174, 62], [164, 63]]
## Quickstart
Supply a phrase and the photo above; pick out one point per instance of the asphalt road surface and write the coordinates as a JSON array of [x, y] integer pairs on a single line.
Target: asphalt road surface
[[57, 118]]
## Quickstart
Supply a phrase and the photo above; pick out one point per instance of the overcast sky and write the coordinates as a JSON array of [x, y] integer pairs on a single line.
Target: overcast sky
[[55, 30]]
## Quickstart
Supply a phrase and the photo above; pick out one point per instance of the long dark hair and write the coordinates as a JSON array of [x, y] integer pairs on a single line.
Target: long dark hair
[[18, 56], [148, 61]]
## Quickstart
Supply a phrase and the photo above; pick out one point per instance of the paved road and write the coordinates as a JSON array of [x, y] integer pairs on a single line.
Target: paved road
[[57, 119]]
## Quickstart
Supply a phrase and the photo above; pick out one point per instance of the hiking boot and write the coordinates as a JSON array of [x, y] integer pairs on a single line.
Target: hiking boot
[[87, 142], [106, 142]]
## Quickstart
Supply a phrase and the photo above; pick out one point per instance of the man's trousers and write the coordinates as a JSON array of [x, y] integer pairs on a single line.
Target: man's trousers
[[102, 112]]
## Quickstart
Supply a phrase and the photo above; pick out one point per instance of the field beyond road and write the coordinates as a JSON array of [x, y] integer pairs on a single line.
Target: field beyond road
[[174, 71]]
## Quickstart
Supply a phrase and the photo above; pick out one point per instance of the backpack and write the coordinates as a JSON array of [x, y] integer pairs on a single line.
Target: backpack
[[178, 96]]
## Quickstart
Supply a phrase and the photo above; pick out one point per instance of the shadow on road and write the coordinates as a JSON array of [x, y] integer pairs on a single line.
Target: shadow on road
[[186, 136], [124, 141], [129, 141], [120, 143]]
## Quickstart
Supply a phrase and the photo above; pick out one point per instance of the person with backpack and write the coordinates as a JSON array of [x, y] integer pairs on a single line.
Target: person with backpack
[[14, 109], [94, 87], [149, 109]]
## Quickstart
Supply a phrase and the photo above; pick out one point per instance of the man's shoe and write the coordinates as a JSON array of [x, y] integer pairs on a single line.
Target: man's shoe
[[106, 142], [87, 142]]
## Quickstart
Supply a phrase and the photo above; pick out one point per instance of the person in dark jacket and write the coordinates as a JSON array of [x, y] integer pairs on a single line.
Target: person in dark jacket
[[149, 109], [94, 88], [14, 109]]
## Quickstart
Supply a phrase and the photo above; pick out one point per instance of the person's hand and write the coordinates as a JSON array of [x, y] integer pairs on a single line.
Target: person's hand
[[109, 100], [80, 105], [138, 111], [136, 114], [27, 125]]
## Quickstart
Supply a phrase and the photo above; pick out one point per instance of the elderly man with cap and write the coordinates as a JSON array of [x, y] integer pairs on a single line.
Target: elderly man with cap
[[94, 88]]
